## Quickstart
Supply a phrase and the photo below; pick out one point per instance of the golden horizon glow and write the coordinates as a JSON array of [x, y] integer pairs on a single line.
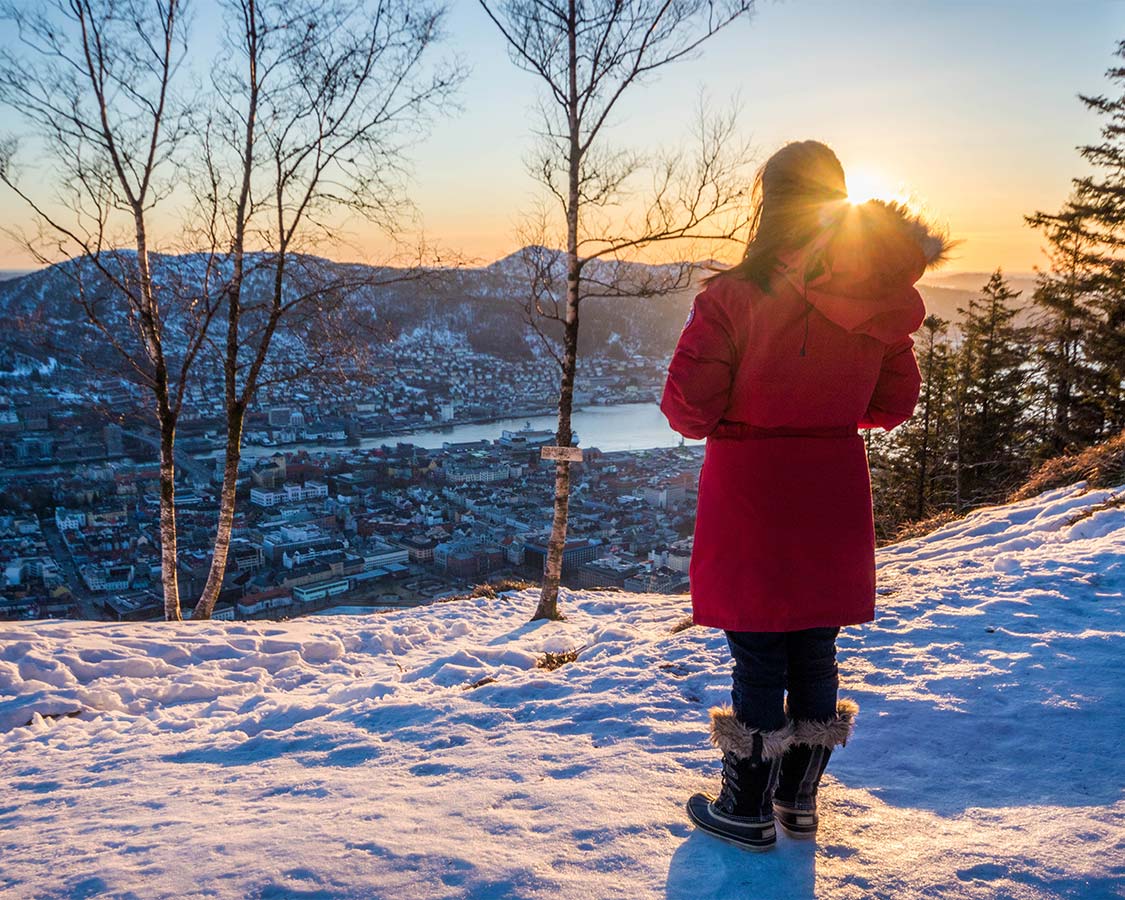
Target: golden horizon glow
[[941, 134], [869, 184]]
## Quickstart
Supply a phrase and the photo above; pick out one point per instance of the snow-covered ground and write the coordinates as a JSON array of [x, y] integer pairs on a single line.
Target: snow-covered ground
[[353, 756]]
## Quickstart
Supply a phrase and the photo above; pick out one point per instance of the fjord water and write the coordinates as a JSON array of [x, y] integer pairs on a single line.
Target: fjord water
[[622, 426]]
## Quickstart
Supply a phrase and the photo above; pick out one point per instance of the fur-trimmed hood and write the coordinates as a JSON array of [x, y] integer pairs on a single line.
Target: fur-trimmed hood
[[860, 273]]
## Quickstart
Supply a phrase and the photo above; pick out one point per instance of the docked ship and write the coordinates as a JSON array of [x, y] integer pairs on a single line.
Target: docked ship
[[531, 437]]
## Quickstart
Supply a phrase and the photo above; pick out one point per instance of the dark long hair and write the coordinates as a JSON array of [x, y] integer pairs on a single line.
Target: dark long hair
[[792, 192]]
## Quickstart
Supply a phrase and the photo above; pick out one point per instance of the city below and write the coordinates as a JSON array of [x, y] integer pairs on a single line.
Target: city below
[[416, 486]]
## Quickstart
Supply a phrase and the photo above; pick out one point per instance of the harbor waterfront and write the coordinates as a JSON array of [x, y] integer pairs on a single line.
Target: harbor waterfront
[[401, 521], [620, 426]]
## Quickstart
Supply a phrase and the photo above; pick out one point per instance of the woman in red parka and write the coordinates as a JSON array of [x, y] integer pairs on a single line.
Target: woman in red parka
[[783, 358]]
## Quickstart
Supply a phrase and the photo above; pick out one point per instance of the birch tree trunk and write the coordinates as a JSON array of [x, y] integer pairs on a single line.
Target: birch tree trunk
[[221, 548], [169, 574], [150, 323], [548, 607]]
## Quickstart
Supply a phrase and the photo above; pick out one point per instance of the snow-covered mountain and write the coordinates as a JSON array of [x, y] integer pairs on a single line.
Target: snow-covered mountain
[[39, 315], [39, 312], [945, 295], [423, 754]]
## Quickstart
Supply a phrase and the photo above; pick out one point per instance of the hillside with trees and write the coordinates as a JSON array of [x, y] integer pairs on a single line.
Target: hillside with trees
[[1020, 380]]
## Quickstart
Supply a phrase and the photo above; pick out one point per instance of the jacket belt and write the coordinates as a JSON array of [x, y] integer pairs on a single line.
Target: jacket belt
[[745, 431]]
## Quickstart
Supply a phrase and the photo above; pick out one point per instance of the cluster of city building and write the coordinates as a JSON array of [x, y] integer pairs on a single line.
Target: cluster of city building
[[387, 526], [325, 526]]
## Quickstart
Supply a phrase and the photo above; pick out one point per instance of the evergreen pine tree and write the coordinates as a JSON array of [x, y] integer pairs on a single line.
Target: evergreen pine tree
[[1099, 199], [1072, 414], [991, 433], [932, 418], [911, 466]]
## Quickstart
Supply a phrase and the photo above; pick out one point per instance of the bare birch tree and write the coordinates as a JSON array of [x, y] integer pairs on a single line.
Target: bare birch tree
[[316, 111], [587, 55], [303, 123], [93, 80]]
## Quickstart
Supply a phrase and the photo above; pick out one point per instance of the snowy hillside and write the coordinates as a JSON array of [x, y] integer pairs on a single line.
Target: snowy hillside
[[422, 754], [479, 304]]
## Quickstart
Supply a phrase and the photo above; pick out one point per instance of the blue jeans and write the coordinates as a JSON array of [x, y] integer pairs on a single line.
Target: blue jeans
[[767, 663]]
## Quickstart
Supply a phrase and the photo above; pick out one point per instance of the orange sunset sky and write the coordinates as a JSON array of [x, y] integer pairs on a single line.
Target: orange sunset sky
[[967, 107]]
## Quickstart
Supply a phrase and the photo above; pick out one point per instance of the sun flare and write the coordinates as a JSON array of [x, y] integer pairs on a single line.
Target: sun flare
[[868, 184]]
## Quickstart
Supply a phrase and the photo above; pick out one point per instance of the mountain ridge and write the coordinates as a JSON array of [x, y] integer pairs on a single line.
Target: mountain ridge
[[482, 302]]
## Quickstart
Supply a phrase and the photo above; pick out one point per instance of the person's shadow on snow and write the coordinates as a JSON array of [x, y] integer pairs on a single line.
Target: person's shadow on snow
[[705, 868]]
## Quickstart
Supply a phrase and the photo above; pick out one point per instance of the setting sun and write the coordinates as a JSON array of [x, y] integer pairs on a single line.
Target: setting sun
[[869, 184]]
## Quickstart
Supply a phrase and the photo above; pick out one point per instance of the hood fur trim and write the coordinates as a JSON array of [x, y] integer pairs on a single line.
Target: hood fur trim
[[860, 271], [731, 736], [935, 243], [833, 733]]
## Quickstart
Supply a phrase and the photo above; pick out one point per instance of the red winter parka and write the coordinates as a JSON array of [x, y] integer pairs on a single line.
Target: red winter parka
[[779, 382]]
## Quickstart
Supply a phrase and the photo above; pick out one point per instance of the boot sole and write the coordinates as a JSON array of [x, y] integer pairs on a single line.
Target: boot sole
[[797, 835], [696, 807]]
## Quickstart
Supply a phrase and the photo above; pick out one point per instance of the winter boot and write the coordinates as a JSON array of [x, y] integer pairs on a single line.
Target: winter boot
[[794, 800], [742, 813]]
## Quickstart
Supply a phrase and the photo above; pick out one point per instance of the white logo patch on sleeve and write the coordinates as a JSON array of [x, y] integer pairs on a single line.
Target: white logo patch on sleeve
[[690, 317]]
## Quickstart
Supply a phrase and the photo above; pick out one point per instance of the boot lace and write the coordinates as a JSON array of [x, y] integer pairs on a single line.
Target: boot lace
[[728, 793]]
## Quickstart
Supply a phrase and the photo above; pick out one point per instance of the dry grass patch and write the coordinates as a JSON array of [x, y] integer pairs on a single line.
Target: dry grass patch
[[551, 661], [1115, 502], [683, 625], [922, 527], [1102, 465], [490, 589]]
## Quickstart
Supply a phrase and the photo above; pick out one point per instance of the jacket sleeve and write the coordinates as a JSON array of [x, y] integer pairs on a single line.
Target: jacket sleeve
[[698, 386], [896, 391]]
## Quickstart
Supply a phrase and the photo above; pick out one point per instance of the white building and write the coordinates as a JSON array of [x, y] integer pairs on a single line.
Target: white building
[[385, 555], [288, 493], [107, 578], [458, 473], [69, 519]]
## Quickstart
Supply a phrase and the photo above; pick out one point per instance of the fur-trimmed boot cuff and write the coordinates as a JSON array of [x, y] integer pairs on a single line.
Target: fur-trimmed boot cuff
[[833, 733], [731, 736]]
